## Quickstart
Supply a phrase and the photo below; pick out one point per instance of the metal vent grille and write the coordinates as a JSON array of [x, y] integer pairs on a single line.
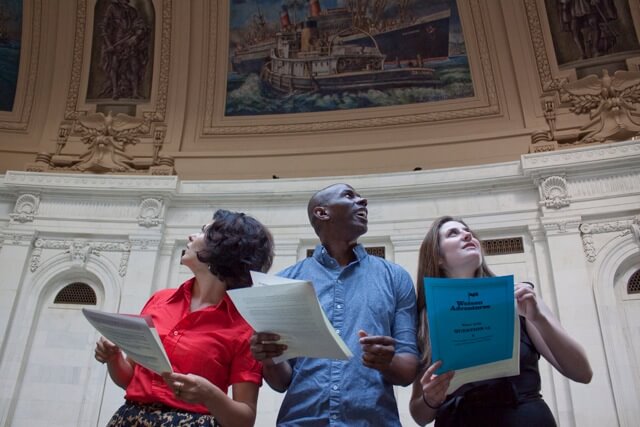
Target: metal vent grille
[[378, 251], [509, 245], [76, 293], [633, 286]]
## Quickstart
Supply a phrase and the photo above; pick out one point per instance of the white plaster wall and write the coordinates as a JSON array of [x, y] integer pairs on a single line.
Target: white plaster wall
[[576, 211]]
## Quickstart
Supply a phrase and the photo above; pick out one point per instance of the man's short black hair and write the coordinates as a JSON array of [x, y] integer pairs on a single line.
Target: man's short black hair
[[235, 244]]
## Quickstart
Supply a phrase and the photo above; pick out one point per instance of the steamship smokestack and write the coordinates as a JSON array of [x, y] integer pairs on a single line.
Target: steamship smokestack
[[285, 22], [314, 7], [309, 35]]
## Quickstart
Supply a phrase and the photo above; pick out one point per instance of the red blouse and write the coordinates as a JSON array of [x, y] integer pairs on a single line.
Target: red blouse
[[212, 342]]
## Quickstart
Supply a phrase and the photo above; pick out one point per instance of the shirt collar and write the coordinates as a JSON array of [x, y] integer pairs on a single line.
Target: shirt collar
[[184, 292], [323, 257]]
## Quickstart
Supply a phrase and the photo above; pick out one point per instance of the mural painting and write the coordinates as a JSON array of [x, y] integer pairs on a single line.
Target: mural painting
[[293, 56], [122, 51], [10, 38], [591, 32]]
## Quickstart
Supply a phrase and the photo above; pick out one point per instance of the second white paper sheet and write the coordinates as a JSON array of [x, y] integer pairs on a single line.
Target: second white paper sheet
[[289, 308]]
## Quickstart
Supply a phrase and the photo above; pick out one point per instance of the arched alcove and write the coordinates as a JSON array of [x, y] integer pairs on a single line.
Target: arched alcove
[[57, 380], [618, 311]]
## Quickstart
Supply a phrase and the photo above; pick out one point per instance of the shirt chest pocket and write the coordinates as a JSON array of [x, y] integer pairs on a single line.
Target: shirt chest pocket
[[376, 311]]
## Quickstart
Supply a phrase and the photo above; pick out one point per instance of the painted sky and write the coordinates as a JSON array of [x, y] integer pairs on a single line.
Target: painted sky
[[243, 10]]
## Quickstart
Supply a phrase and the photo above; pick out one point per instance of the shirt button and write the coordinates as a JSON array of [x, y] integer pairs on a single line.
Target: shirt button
[[334, 416], [175, 332], [339, 282], [338, 331], [334, 387], [339, 306]]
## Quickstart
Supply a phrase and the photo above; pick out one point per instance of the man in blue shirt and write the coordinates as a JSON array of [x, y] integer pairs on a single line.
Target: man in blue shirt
[[371, 304]]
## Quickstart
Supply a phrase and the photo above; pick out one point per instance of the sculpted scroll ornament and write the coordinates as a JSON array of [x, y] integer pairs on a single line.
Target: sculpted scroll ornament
[[26, 208], [624, 227], [609, 101]]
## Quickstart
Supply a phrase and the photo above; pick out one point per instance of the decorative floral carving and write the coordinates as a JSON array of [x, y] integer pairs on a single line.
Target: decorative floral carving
[[80, 251], [587, 230], [144, 244], [150, 211], [549, 84], [106, 138], [26, 208], [554, 192], [609, 101], [589, 247]]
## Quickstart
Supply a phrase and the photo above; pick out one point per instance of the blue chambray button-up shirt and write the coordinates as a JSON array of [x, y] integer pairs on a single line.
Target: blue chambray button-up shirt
[[371, 294]]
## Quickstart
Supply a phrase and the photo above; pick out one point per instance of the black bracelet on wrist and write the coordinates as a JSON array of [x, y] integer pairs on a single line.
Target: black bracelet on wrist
[[530, 284], [427, 403]]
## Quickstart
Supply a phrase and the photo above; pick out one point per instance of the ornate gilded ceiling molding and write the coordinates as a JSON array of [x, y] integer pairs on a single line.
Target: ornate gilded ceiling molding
[[106, 136], [73, 110], [609, 102], [547, 81], [20, 121], [214, 126]]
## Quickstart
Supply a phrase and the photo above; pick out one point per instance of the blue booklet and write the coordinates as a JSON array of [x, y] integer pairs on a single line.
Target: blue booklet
[[472, 321]]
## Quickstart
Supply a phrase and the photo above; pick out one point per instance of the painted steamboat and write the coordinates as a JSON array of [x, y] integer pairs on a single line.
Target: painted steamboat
[[303, 62], [401, 40]]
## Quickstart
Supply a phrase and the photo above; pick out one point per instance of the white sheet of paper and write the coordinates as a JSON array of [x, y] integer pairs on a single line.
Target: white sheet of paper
[[289, 308], [135, 335]]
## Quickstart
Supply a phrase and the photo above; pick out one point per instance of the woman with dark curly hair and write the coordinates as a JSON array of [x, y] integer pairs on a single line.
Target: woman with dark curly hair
[[205, 337]]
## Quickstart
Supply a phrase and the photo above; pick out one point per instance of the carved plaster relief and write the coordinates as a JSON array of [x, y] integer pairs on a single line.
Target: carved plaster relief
[[214, 121], [587, 230], [106, 135], [562, 226], [80, 251], [17, 239], [554, 192], [150, 212], [588, 187], [610, 101], [26, 208]]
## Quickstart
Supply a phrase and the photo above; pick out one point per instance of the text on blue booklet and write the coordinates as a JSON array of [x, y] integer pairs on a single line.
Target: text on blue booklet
[[471, 321]]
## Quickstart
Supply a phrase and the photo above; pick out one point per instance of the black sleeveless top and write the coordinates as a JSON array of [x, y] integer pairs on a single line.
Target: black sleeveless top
[[501, 402]]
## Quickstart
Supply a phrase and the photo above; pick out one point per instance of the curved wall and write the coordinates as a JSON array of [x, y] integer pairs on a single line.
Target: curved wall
[[575, 211], [515, 73]]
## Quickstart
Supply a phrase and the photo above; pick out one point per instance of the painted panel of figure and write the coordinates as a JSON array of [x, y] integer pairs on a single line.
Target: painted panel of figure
[[10, 41], [122, 51], [292, 56], [591, 32]]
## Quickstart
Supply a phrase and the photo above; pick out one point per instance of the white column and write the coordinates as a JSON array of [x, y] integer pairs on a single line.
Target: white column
[[13, 263], [572, 284], [14, 252]]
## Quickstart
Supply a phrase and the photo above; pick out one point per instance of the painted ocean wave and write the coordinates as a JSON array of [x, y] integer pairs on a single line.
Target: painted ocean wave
[[248, 96]]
